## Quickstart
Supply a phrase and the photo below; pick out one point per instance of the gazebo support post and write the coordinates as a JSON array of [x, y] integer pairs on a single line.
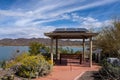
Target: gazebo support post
[[51, 51], [83, 50], [57, 56], [90, 57]]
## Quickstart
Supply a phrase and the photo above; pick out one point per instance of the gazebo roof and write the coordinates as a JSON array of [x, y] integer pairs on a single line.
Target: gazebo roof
[[70, 33]]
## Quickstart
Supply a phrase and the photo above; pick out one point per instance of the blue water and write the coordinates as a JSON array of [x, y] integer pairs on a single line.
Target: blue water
[[6, 52]]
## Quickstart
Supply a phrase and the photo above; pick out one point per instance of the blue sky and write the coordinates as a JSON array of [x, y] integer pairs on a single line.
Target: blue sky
[[32, 18]]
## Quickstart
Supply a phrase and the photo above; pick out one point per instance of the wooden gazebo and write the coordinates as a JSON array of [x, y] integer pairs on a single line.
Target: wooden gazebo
[[72, 33]]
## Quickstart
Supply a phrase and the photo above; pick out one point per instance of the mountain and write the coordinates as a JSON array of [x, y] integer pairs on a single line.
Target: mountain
[[45, 41]]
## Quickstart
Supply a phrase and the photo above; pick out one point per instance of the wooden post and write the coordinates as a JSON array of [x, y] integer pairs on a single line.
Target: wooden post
[[99, 57], [90, 57], [51, 50], [83, 50], [57, 56]]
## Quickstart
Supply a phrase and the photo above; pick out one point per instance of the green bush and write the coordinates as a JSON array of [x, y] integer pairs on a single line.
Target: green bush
[[30, 66], [66, 50], [16, 62], [34, 48]]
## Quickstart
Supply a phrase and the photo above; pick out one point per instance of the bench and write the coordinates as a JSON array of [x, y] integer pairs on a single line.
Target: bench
[[71, 56]]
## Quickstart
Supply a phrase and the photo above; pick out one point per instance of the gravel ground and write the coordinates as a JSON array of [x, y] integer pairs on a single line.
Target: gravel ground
[[90, 75]]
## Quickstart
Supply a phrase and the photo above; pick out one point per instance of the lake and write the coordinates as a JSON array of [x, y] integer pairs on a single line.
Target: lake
[[6, 52]]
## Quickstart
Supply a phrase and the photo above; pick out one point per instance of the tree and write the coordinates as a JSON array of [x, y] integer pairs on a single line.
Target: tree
[[109, 39]]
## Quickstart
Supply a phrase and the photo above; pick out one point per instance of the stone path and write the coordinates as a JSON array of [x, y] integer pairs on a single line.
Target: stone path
[[69, 71]]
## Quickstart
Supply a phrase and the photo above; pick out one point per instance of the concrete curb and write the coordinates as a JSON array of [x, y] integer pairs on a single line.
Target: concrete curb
[[76, 78]]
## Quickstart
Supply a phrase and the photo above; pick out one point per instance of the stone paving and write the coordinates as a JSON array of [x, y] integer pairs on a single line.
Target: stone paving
[[70, 71]]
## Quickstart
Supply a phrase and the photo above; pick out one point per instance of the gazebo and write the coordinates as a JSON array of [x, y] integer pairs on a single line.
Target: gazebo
[[72, 33]]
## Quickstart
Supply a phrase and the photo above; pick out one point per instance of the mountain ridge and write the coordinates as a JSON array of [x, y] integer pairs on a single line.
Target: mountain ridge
[[45, 41]]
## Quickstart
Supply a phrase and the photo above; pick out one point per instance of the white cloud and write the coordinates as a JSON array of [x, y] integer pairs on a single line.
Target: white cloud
[[52, 8], [10, 13], [25, 24], [25, 32], [25, 29], [89, 22], [38, 31], [80, 7]]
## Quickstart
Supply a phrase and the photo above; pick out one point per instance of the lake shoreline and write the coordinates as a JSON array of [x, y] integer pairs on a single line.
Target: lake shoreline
[[7, 51]]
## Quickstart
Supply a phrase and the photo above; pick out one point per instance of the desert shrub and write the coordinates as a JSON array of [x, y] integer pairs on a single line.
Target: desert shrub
[[30, 66], [109, 71], [66, 50], [16, 61], [34, 66]]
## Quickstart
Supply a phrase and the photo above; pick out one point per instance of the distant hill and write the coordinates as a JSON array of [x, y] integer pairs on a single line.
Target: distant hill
[[45, 41]]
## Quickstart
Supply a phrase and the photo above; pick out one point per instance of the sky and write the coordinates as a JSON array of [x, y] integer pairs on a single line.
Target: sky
[[33, 18]]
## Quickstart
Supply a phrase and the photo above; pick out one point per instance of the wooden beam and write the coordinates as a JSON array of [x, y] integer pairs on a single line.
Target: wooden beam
[[57, 56], [90, 57], [51, 51], [71, 35], [83, 50]]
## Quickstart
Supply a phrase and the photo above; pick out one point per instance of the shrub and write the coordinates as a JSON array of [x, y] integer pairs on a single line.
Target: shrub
[[47, 56], [109, 71], [34, 48], [30, 66], [16, 61], [66, 50], [34, 66]]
